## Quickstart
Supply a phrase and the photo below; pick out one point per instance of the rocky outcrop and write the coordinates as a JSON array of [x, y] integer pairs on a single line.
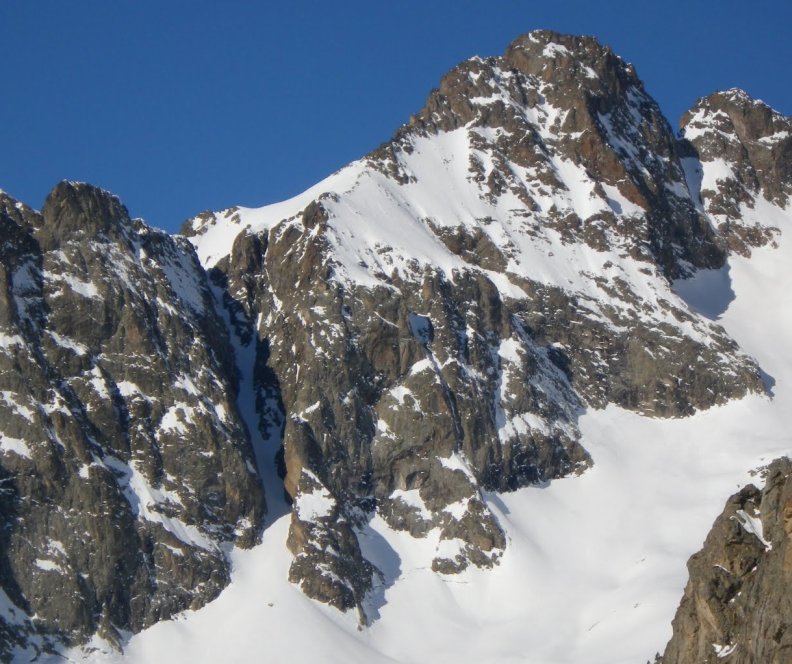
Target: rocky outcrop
[[740, 157], [124, 464], [373, 420], [737, 605]]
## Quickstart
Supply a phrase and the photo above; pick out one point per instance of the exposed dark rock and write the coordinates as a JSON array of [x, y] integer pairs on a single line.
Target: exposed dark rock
[[737, 605], [749, 146], [373, 414], [125, 464], [328, 565], [75, 210]]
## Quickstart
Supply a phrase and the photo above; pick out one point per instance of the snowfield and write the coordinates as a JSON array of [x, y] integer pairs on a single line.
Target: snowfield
[[595, 565]]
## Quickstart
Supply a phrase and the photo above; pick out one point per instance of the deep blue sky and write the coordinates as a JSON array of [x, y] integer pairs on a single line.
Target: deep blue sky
[[183, 105]]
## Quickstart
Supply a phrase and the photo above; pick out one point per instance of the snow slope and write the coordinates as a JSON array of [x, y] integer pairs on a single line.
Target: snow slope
[[379, 226], [595, 567]]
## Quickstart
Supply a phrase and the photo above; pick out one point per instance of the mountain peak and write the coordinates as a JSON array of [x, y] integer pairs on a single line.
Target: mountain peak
[[77, 208], [743, 146], [556, 104], [735, 103], [561, 58], [538, 65]]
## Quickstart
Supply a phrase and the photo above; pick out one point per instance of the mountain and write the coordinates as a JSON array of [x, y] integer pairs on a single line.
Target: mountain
[[476, 357], [500, 265], [126, 467]]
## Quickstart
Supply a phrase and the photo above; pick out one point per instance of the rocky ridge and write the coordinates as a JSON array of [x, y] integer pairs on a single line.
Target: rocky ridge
[[736, 606], [741, 164], [125, 466]]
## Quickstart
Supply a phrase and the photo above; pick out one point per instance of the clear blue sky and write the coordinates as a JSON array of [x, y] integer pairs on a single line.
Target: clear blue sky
[[179, 106]]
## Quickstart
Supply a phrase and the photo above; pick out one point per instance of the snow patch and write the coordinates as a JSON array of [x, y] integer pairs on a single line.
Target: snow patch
[[400, 393], [722, 651], [176, 418], [315, 505], [8, 341], [128, 389], [15, 445], [85, 289], [184, 282], [64, 342], [48, 565], [457, 462], [753, 525], [144, 499], [10, 400], [412, 498]]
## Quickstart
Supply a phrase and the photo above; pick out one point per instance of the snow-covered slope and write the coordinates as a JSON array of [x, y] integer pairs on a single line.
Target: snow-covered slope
[[379, 226]]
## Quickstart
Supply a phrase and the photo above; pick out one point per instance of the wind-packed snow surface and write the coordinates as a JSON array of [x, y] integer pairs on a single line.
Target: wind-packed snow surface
[[595, 565]]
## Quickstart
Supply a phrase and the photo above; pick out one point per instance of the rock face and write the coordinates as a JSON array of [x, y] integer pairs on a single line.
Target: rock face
[[737, 605], [557, 103], [432, 319], [125, 467], [740, 158]]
